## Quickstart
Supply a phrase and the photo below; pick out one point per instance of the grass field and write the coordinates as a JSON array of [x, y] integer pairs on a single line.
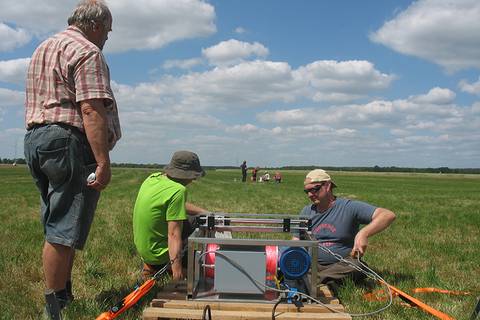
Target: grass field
[[433, 243]]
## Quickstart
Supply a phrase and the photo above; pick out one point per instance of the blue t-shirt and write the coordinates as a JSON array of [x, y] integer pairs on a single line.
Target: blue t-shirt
[[337, 227]]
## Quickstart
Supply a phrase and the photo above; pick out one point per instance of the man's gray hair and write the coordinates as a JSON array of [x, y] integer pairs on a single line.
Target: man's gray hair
[[88, 13]]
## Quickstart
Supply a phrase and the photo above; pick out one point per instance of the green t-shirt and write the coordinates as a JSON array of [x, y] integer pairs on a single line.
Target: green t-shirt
[[159, 200]]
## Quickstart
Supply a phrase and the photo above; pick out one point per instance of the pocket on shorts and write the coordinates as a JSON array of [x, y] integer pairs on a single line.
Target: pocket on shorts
[[54, 161]]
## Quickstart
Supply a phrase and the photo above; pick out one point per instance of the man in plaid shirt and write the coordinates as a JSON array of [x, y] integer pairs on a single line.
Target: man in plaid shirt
[[72, 124]]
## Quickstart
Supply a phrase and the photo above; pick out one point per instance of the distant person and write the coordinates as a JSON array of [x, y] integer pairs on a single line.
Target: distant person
[[72, 124], [266, 177], [254, 174], [277, 177], [160, 215], [336, 223], [243, 166]]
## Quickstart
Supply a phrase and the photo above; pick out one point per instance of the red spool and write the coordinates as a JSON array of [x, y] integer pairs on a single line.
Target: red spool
[[271, 253], [271, 261], [210, 259]]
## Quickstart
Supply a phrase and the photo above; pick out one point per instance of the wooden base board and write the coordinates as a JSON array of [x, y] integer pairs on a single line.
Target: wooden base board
[[171, 303], [178, 291]]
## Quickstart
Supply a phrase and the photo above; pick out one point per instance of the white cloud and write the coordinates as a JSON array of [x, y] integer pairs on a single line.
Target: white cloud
[[476, 108], [12, 38], [442, 31], [254, 84], [11, 98], [242, 128], [158, 23], [342, 80], [436, 96], [150, 24], [422, 112], [411, 131], [31, 16], [233, 52], [182, 64], [240, 30], [473, 88], [14, 71]]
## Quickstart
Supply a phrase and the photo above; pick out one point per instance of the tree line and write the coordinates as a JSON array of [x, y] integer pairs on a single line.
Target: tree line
[[306, 168]]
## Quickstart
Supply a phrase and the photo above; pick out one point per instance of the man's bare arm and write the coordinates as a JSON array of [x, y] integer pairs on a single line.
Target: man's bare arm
[[381, 219], [193, 209], [175, 248], [96, 129]]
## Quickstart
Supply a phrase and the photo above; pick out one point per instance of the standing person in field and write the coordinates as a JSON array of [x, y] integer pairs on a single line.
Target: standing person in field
[[243, 166], [160, 215], [336, 225], [277, 177], [72, 124], [254, 174]]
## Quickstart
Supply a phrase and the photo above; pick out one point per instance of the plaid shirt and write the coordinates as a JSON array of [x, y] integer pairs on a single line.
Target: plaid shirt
[[65, 70]]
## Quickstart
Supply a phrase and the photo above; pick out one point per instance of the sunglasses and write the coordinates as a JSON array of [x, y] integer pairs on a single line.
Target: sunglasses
[[314, 189]]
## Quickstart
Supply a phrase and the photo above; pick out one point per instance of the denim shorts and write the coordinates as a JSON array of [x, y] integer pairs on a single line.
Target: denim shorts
[[60, 160]]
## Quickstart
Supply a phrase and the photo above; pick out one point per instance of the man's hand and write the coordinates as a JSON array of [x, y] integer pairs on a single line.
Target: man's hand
[[177, 271], [360, 245], [102, 178]]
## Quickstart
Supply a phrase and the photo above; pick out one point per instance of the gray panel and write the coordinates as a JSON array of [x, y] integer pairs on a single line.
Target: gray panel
[[230, 279]]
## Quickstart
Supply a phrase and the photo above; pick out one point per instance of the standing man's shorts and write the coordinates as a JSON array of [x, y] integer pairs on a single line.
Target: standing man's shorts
[[60, 160]]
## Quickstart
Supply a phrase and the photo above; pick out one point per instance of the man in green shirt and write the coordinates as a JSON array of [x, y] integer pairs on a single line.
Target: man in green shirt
[[161, 211]]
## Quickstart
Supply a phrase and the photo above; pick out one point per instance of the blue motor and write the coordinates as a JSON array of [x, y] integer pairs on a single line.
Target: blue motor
[[294, 262]]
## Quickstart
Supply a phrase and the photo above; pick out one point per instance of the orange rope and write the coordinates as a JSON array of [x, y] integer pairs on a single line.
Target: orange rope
[[452, 292], [421, 305], [376, 296]]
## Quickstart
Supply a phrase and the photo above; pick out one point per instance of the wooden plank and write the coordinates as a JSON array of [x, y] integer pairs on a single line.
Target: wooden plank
[[168, 313], [178, 290], [228, 306], [325, 294]]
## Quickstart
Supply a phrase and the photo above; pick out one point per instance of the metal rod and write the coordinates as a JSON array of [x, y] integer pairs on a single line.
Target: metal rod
[[240, 214], [259, 220], [255, 229]]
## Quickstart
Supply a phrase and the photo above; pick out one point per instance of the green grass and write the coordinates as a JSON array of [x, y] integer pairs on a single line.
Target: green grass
[[433, 243]]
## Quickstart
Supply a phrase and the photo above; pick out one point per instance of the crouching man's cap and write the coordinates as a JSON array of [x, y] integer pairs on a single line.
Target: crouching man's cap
[[318, 175]]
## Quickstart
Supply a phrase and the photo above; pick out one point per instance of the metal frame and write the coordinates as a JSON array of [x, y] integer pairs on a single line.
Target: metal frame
[[205, 234]]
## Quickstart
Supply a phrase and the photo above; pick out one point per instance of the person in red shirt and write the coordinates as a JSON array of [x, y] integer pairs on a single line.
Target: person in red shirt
[[278, 177], [254, 174]]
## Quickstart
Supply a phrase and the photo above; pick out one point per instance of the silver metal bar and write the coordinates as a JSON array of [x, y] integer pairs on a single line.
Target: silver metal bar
[[240, 214], [255, 228], [259, 220], [190, 267], [256, 242], [313, 269]]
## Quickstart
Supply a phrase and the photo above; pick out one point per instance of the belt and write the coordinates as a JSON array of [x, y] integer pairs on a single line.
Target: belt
[[60, 124]]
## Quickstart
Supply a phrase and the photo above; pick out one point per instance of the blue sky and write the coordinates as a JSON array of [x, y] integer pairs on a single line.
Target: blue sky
[[275, 83]]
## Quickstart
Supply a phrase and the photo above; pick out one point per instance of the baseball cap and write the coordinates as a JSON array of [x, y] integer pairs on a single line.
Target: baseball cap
[[184, 165], [318, 175]]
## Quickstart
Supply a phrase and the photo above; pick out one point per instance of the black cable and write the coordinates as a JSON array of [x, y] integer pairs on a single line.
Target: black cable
[[206, 310], [275, 307]]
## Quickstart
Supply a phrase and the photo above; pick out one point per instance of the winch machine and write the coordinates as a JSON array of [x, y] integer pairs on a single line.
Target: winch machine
[[250, 265]]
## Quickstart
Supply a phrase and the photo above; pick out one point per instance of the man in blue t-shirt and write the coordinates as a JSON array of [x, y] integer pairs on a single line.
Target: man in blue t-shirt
[[336, 225]]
